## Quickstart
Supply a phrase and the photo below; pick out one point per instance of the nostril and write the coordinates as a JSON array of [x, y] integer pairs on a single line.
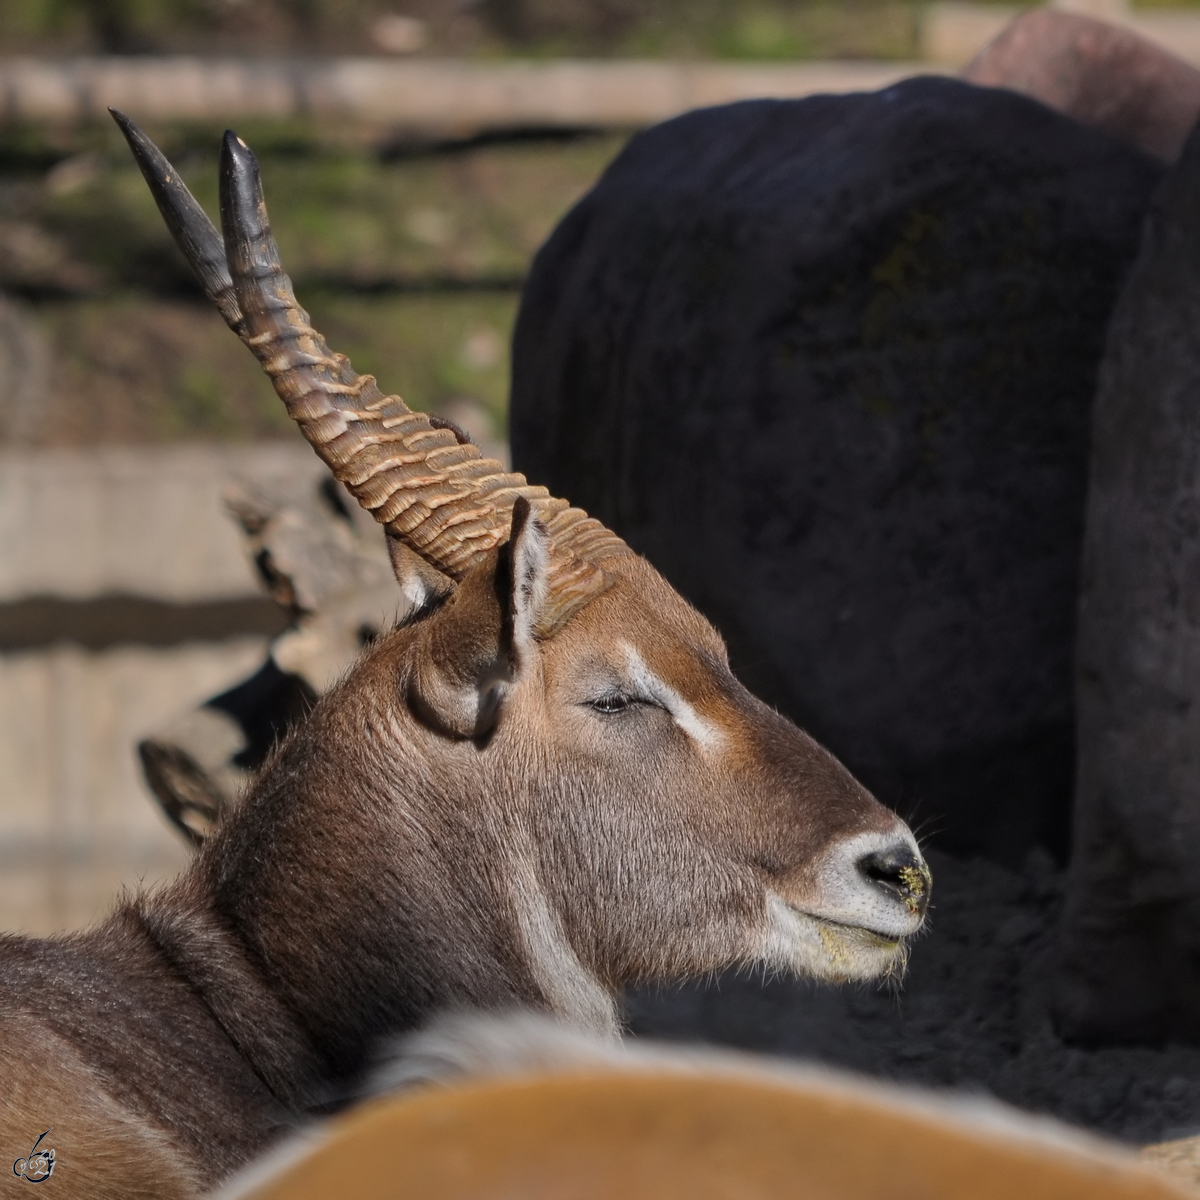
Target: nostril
[[900, 870]]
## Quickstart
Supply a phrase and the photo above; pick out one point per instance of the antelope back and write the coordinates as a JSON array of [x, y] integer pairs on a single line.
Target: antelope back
[[695, 1129]]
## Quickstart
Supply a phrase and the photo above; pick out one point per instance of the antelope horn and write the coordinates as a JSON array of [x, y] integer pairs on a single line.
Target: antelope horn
[[430, 490], [193, 232]]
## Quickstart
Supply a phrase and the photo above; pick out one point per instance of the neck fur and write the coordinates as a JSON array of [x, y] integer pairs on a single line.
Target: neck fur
[[344, 902]]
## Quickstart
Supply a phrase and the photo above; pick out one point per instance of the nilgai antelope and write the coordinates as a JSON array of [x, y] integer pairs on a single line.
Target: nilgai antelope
[[544, 784]]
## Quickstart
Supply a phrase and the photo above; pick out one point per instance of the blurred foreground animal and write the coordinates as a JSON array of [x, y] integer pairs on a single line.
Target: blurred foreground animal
[[544, 1113], [545, 784]]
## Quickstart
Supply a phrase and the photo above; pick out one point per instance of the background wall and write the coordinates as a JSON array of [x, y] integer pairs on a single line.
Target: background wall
[[125, 599]]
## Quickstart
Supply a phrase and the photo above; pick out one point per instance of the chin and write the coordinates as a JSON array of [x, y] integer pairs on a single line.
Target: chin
[[813, 947]]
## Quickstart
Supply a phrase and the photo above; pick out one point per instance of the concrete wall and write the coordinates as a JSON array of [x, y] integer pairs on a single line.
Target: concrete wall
[[76, 821], [109, 526], [148, 522]]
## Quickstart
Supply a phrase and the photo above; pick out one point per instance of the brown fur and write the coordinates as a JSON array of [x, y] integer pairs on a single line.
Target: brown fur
[[101, 1149], [530, 1109]]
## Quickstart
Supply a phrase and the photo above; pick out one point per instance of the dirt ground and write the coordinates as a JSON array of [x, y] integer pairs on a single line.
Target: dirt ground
[[973, 1013]]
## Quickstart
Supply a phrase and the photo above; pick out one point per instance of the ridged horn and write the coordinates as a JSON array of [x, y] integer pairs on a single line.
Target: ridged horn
[[435, 493]]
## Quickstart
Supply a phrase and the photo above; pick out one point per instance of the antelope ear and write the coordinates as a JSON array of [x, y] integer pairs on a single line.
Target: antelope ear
[[479, 642], [528, 579]]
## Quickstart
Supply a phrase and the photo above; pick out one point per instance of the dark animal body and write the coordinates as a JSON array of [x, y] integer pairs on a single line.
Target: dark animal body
[[1131, 951], [544, 784], [830, 364]]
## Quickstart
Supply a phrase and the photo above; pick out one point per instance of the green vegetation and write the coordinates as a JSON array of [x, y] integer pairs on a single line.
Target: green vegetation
[[132, 368], [343, 215], [430, 349], [411, 266], [756, 29], [781, 31], [409, 258]]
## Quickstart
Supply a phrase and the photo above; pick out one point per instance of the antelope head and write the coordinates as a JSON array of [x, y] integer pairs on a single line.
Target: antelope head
[[548, 769]]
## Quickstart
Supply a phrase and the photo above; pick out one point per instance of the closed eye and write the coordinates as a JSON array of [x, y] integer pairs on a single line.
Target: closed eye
[[612, 703]]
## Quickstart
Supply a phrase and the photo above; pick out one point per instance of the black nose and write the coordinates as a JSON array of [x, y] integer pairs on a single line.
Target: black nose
[[899, 870]]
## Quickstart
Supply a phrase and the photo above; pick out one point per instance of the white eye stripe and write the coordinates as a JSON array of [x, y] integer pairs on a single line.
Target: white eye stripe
[[704, 733]]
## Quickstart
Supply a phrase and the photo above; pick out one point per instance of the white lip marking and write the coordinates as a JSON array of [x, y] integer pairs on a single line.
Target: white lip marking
[[704, 733], [847, 897], [807, 946]]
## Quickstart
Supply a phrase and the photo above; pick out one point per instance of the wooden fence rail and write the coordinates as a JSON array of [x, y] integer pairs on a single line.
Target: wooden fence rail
[[441, 96]]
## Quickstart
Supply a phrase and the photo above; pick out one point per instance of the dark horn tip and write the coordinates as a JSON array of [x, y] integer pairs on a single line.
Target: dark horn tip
[[242, 209], [149, 158], [237, 153], [193, 232], [139, 143]]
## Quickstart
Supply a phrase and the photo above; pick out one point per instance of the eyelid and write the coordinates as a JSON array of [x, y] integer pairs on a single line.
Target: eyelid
[[630, 698]]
